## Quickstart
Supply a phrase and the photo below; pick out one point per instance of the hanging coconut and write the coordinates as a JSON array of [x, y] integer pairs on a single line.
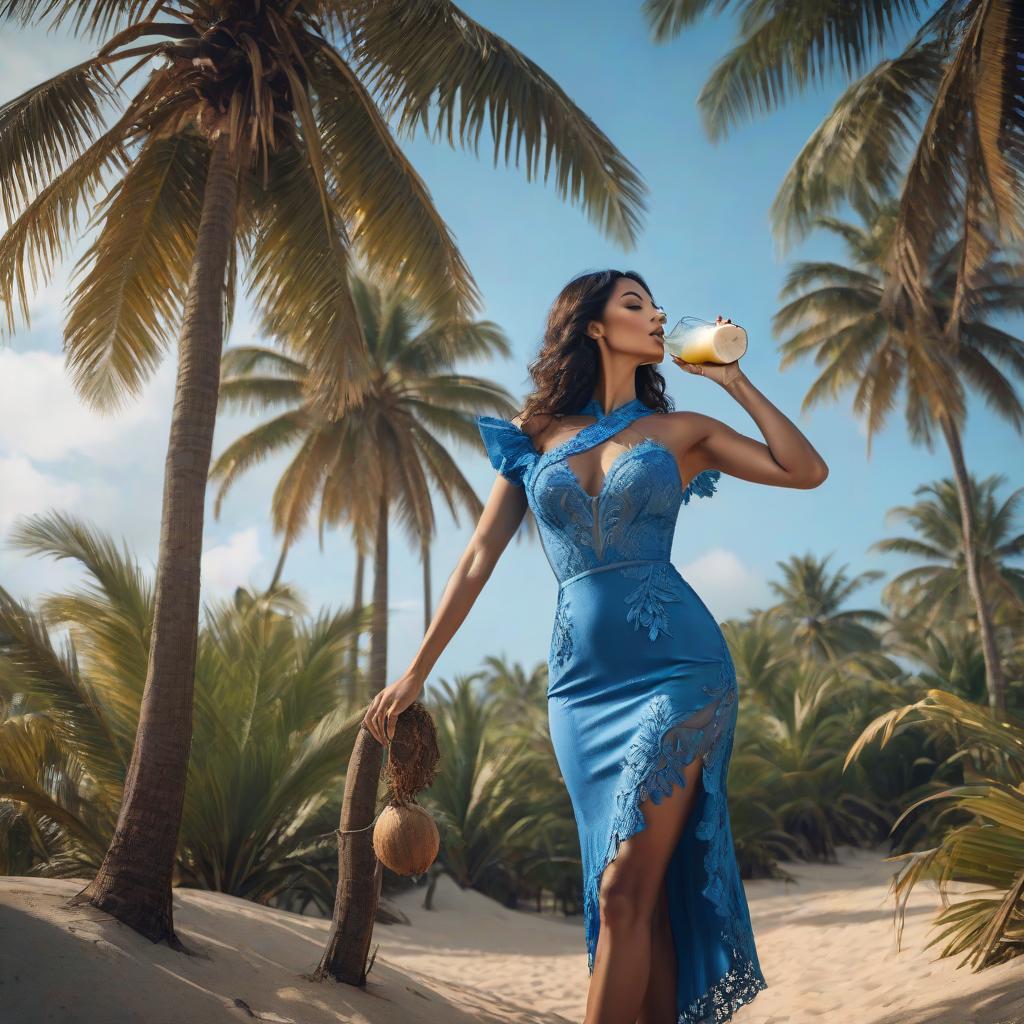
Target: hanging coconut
[[405, 837]]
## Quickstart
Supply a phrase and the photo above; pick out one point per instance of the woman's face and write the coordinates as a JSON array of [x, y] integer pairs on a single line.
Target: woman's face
[[632, 323]]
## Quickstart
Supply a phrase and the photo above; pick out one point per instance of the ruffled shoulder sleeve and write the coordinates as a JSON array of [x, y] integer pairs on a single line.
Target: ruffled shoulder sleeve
[[703, 485], [509, 448]]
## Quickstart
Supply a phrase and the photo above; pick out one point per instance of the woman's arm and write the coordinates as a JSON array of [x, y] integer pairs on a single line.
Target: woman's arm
[[787, 460], [501, 517]]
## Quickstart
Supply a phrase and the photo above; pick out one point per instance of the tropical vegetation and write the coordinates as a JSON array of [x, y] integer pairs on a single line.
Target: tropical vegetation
[[256, 142]]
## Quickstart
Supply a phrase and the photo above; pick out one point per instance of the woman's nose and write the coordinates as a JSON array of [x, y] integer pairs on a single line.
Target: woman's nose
[[661, 316]]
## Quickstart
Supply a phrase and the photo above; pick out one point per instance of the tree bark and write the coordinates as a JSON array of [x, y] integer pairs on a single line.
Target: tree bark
[[134, 880], [993, 667], [427, 599], [359, 871], [279, 568], [359, 683]]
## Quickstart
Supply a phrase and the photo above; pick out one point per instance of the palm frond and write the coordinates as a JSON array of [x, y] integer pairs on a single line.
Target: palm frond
[[47, 127], [393, 220], [240, 360], [127, 303], [934, 186], [88, 17], [255, 446], [999, 113], [57, 689], [785, 48], [427, 57], [302, 290], [855, 154]]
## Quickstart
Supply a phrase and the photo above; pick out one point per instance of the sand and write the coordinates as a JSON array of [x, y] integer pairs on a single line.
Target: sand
[[827, 948]]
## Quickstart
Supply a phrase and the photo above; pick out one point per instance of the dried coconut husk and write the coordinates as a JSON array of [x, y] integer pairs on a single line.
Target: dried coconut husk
[[412, 754]]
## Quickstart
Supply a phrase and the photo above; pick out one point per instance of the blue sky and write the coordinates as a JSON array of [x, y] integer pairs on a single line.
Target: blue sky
[[706, 248]]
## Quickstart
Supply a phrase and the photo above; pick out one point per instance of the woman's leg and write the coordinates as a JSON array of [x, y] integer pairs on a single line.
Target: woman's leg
[[628, 900], [659, 1005]]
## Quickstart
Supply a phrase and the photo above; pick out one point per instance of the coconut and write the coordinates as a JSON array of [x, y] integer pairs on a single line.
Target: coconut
[[405, 838]]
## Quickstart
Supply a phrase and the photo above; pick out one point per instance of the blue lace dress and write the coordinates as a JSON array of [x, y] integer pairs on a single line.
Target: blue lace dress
[[640, 683]]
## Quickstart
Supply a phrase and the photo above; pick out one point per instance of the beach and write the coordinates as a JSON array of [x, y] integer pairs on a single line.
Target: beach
[[827, 947]]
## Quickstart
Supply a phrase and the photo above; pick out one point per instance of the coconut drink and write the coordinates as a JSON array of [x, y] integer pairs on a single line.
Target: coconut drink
[[699, 341]]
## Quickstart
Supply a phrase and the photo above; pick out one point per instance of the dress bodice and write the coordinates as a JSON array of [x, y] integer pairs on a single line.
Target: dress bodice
[[633, 515]]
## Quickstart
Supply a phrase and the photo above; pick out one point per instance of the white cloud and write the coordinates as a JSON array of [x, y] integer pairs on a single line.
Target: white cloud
[[25, 490], [230, 565], [43, 419], [725, 584]]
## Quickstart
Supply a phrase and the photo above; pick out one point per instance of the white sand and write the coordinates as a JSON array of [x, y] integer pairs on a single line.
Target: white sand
[[827, 947]]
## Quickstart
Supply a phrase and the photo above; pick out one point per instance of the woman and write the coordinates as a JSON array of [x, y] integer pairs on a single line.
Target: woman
[[641, 688]]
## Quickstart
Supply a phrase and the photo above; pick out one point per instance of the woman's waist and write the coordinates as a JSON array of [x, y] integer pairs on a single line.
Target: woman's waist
[[607, 566]]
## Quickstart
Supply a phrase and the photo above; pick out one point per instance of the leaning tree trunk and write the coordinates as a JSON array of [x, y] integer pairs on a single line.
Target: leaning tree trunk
[[986, 629], [134, 880], [359, 871]]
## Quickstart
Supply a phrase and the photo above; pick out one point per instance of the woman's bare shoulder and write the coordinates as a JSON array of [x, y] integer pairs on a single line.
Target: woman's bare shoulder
[[686, 428]]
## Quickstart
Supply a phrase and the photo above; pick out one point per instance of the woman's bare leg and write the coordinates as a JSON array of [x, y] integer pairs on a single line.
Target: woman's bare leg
[[659, 1005], [628, 899]]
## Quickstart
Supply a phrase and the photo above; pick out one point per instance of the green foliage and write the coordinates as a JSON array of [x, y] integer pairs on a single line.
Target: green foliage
[[273, 725], [988, 849], [305, 93]]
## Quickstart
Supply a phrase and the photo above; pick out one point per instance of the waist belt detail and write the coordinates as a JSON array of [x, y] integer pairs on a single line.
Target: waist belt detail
[[611, 565]]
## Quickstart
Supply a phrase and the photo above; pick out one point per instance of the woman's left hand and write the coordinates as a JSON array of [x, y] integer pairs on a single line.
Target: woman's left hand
[[721, 373]]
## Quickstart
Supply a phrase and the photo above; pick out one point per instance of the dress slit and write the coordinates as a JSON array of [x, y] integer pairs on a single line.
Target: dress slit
[[665, 741]]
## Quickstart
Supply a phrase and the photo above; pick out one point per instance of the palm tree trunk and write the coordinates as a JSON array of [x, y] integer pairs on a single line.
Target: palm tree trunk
[[426, 585], [134, 881], [358, 682], [359, 871], [278, 568], [993, 667]]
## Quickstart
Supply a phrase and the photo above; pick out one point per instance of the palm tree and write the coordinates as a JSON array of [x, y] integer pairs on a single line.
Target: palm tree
[[811, 604], [394, 444], [413, 406], [953, 99], [270, 727], [843, 324], [259, 130], [937, 590]]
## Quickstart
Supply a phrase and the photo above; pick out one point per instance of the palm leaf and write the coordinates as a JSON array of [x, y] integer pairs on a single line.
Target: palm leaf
[[90, 17], [855, 153], [393, 221], [422, 56], [302, 290], [256, 445], [127, 303], [48, 126], [783, 48]]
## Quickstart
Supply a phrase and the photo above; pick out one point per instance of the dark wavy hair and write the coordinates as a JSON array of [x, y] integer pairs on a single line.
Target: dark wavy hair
[[566, 368]]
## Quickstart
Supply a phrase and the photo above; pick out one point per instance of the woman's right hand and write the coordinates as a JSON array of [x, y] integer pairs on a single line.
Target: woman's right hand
[[388, 704]]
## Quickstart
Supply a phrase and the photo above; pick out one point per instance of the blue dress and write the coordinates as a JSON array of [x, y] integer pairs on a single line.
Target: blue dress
[[640, 682]]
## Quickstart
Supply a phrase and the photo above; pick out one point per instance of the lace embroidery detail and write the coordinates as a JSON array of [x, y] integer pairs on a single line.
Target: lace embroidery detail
[[703, 484], [734, 989], [647, 602], [561, 647]]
